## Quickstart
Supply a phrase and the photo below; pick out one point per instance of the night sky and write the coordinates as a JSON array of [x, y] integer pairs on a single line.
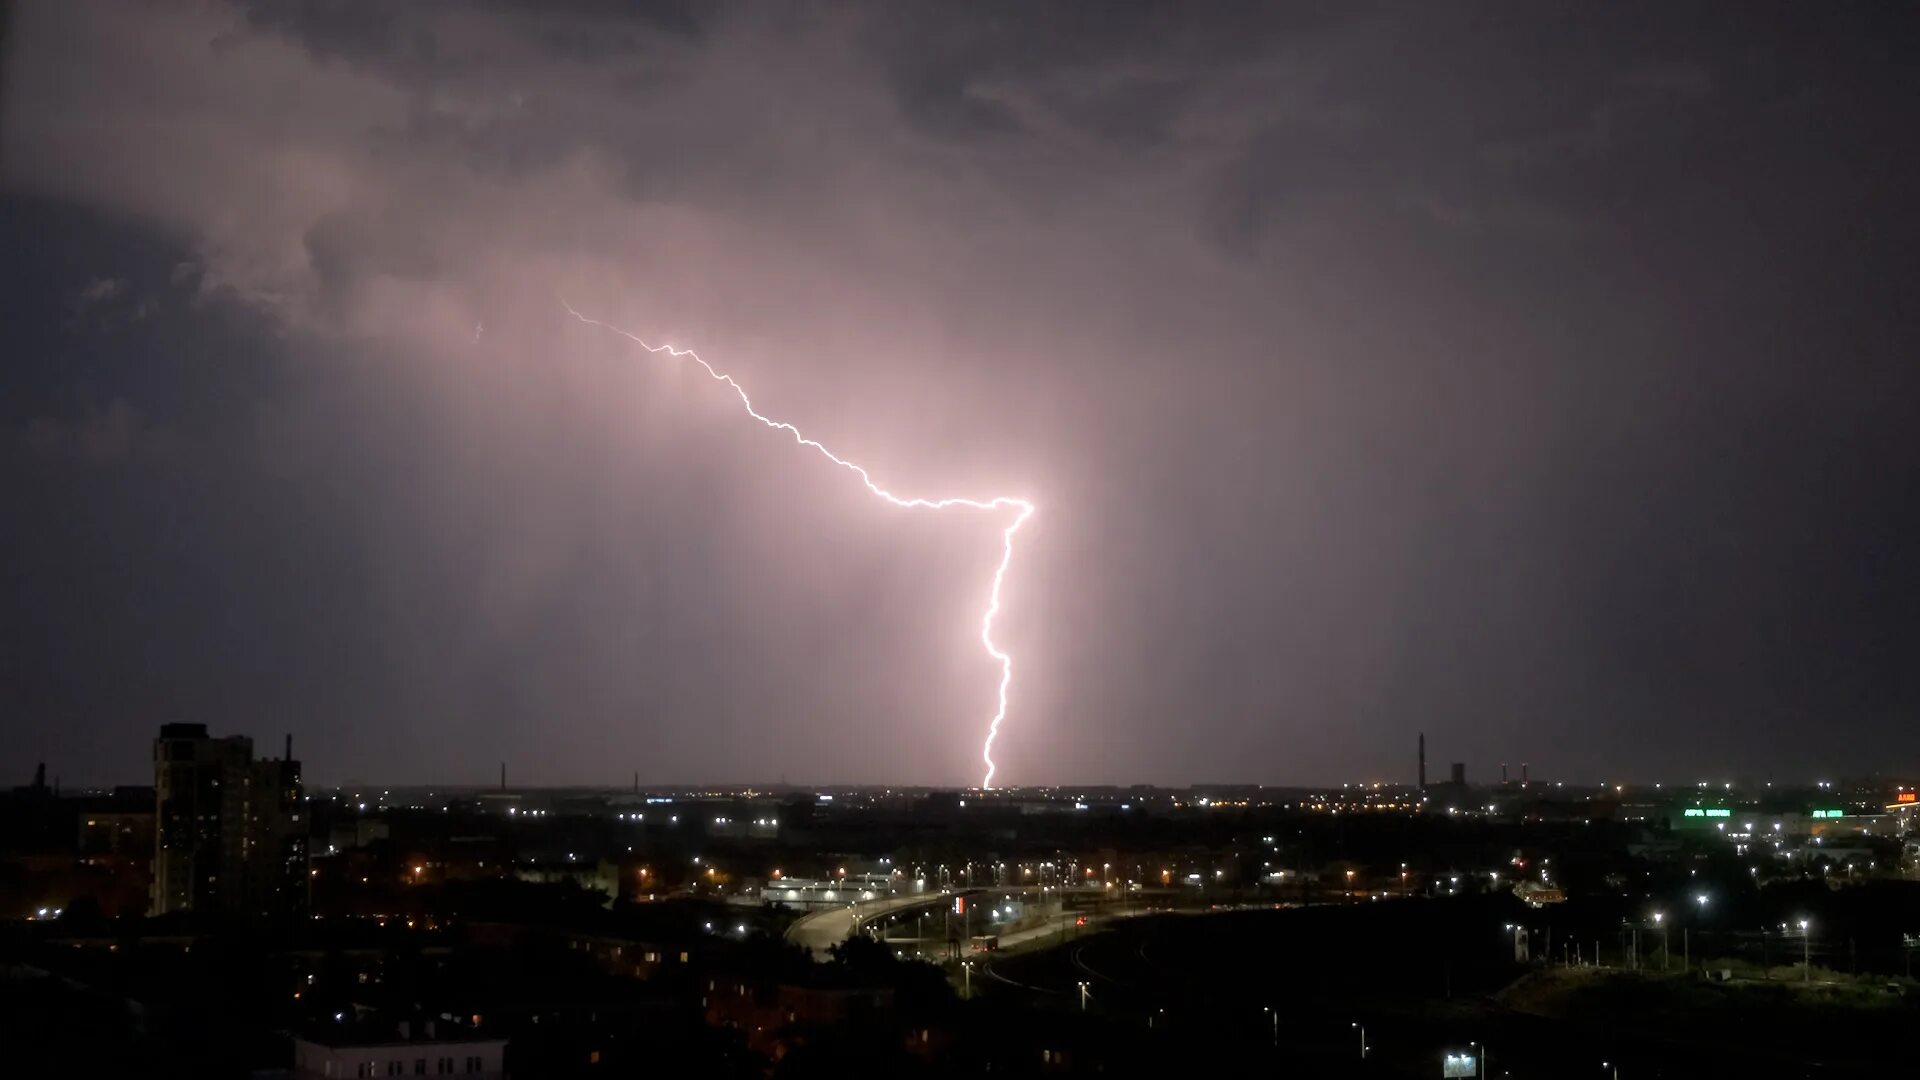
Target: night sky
[[1537, 376]]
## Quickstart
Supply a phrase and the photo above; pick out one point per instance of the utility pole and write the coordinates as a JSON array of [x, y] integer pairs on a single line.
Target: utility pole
[[1806, 952]]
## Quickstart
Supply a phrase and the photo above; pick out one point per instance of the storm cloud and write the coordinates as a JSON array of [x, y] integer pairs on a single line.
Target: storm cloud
[[1537, 377]]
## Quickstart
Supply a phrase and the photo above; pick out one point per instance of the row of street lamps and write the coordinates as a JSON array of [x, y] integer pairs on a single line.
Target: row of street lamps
[[1702, 899], [1806, 940]]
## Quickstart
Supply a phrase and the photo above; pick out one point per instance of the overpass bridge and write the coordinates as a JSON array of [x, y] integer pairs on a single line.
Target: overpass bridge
[[818, 931], [821, 930]]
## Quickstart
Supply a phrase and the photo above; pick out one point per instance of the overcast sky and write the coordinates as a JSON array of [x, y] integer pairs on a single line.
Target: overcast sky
[[1539, 377]]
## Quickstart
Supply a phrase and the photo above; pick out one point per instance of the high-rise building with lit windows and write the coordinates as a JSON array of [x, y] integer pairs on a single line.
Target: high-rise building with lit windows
[[230, 831]]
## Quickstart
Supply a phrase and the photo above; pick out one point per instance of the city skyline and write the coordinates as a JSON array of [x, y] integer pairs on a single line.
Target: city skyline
[[1501, 774]]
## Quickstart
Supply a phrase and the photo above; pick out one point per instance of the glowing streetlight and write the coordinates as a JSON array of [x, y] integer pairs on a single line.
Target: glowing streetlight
[[1806, 951]]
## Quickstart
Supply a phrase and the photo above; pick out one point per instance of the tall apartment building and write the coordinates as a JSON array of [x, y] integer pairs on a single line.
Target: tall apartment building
[[230, 832]]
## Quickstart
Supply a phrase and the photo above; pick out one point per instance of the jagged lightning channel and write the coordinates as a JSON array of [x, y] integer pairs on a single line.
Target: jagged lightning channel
[[1023, 510]]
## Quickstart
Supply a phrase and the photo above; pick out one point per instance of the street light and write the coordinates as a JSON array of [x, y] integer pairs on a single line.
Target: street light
[[1276, 1023], [1083, 997], [1362, 1028], [1806, 951], [966, 970], [1613, 1066]]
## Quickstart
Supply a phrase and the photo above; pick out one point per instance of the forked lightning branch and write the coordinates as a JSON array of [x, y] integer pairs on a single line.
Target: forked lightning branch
[[1020, 508]]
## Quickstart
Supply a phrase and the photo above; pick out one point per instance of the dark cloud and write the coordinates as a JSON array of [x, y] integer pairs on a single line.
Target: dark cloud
[[98, 290], [110, 434], [1533, 375]]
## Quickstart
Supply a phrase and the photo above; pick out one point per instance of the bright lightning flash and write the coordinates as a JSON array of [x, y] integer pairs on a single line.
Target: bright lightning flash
[[1021, 507]]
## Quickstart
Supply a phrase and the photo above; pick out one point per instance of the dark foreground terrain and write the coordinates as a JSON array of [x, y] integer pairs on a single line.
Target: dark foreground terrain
[[1426, 979]]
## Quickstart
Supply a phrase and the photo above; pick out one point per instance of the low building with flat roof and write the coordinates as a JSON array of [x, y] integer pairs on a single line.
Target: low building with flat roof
[[355, 1050]]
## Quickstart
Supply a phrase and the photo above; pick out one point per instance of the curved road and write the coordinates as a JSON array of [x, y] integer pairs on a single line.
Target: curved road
[[823, 929]]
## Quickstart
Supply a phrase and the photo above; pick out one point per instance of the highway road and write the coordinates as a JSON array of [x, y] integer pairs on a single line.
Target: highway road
[[823, 929]]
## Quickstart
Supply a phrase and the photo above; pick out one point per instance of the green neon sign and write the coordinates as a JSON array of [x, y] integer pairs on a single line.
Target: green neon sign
[[1705, 811], [1829, 813]]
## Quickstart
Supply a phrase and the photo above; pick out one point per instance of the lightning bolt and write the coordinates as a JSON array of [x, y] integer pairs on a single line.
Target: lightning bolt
[[1021, 507]]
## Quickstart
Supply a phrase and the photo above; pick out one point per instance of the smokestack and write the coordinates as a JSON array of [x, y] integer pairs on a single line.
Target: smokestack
[[1523, 774], [1423, 761], [1503, 772], [636, 781], [289, 754], [503, 776]]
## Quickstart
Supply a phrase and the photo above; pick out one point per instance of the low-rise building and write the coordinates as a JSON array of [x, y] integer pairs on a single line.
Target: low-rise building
[[404, 1050]]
